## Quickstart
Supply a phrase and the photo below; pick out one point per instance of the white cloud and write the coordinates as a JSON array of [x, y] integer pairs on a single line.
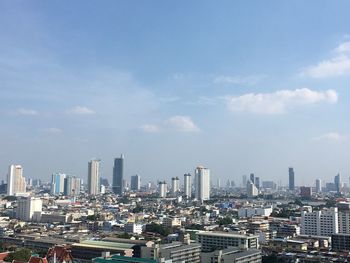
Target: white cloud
[[82, 110], [240, 80], [23, 111], [181, 123], [331, 136], [151, 128], [53, 130], [337, 65], [280, 101]]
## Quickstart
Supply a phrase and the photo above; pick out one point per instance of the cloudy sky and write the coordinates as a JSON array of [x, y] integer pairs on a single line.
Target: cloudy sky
[[236, 86]]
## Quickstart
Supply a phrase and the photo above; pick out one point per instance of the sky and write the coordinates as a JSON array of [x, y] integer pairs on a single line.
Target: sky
[[237, 86]]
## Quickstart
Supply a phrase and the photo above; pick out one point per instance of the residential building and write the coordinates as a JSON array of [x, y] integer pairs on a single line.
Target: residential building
[[118, 175], [29, 208], [187, 185], [320, 223], [175, 186], [318, 186], [133, 228], [291, 179], [72, 185], [250, 211], [232, 255], [135, 182], [341, 242], [305, 192], [251, 189], [169, 222], [337, 183], [57, 183], [162, 189], [202, 183], [16, 184], [94, 177]]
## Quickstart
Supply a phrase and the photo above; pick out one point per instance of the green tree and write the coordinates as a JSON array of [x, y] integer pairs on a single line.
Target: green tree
[[224, 221], [21, 255]]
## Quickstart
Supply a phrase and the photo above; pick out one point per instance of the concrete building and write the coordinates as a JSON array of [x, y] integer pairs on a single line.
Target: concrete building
[[291, 179], [72, 185], [305, 192], [250, 211], [29, 208], [318, 186], [341, 242], [169, 222], [107, 258], [94, 177], [16, 183], [162, 189], [232, 255], [221, 240], [118, 175], [251, 189], [135, 183], [337, 183], [175, 186], [57, 183], [202, 183], [320, 223], [187, 185], [174, 252], [133, 228]]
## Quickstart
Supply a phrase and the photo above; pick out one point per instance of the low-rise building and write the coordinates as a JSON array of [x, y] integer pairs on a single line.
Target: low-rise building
[[232, 255]]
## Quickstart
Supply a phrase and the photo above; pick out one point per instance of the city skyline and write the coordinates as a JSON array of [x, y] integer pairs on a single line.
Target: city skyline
[[237, 87]]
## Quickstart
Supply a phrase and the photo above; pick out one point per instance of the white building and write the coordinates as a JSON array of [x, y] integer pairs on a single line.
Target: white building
[[16, 183], [202, 183], [103, 189], [187, 185], [162, 189], [175, 186], [250, 211], [29, 208], [94, 177], [252, 190], [320, 223], [318, 186], [133, 228]]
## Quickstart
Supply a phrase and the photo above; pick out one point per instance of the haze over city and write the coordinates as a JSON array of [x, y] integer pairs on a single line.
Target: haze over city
[[238, 88]]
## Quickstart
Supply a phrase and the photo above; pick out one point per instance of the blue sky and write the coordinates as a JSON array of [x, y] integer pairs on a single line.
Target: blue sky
[[236, 86]]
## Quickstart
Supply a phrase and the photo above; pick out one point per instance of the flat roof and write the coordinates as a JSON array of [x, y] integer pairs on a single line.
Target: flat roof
[[117, 258], [226, 234], [104, 245]]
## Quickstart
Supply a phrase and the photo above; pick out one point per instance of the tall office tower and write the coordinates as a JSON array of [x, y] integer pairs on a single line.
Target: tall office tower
[[16, 183], [29, 208], [257, 182], [218, 183], [318, 186], [252, 178], [162, 189], [337, 183], [175, 185], [202, 184], [135, 182], [94, 177], [57, 183], [291, 179], [72, 185], [251, 189], [188, 185], [118, 173], [244, 180]]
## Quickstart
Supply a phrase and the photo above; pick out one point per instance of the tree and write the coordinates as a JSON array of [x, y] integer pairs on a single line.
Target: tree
[[224, 221], [21, 255]]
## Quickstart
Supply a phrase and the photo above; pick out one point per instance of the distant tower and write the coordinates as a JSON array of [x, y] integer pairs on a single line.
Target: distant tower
[[135, 182], [175, 185], [252, 178], [57, 183], [291, 179], [257, 182], [318, 186], [337, 183], [94, 177], [252, 190], [72, 185], [162, 189], [202, 185], [16, 183], [244, 180], [187, 185], [118, 173], [218, 183]]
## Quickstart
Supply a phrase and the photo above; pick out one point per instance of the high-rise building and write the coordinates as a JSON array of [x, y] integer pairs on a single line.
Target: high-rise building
[[337, 183], [252, 190], [318, 186], [162, 189], [218, 183], [94, 177], [291, 179], [135, 182], [252, 178], [175, 185], [57, 183], [320, 223], [72, 185], [187, 185], [29, 208], [16, 183], [118, 175], [244, 180], [202, 183], [257, 182]]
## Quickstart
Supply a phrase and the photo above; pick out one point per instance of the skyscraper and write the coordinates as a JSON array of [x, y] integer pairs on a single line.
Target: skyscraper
[[337, 183], [94, 177], [187, 185], [135, 182], [118, 174], [252, 190], [257, 182], [244, 180], [291, 179], [162, 189], [175, 185], [57, 183], [202, 184], [16, 183], [252, 178], [72, 185], [318, 186]]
